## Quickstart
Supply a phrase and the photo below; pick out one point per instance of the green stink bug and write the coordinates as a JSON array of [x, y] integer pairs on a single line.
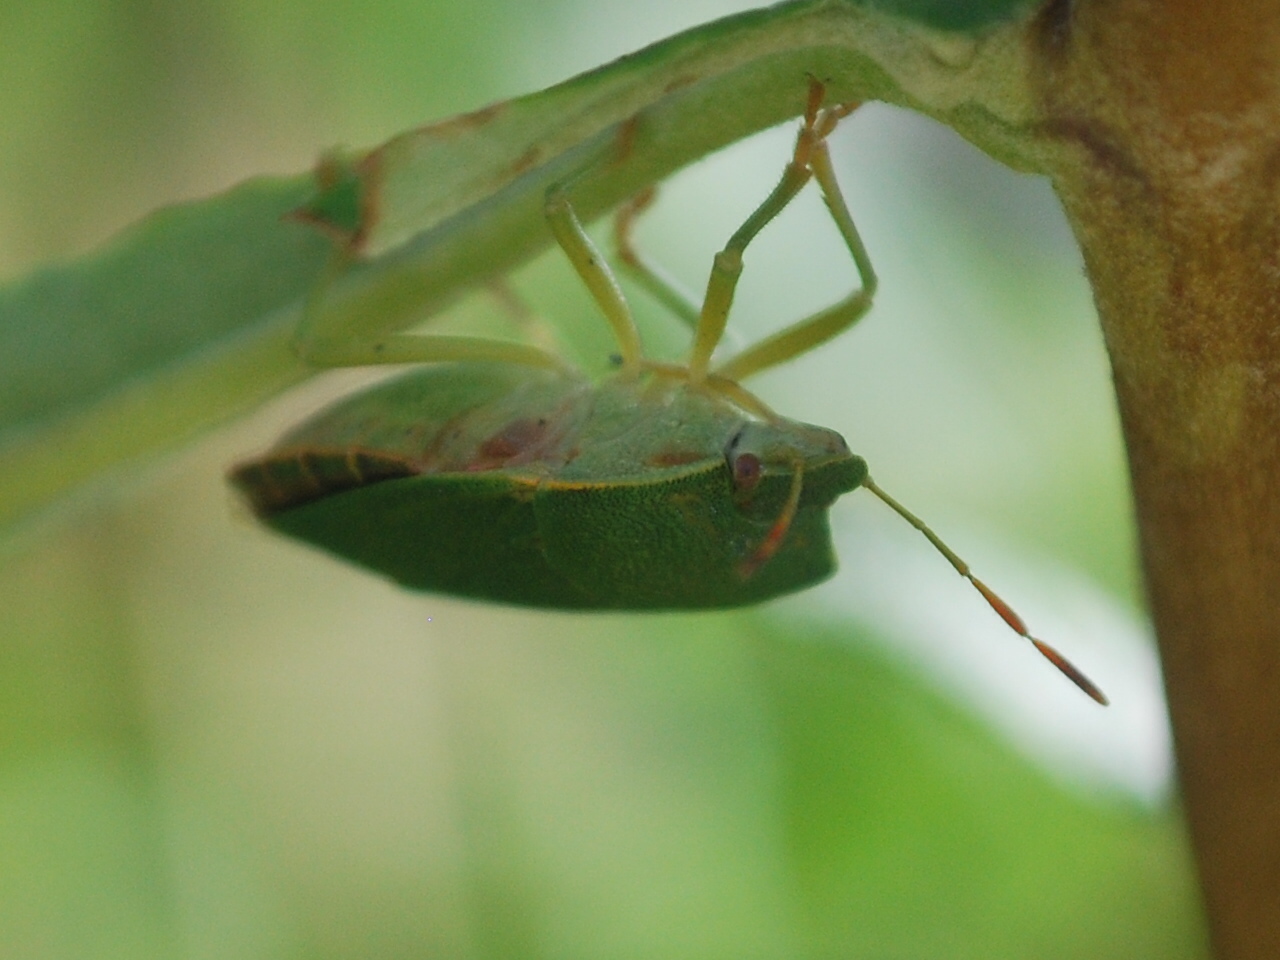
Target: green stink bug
[[539, 488], [505, 476]]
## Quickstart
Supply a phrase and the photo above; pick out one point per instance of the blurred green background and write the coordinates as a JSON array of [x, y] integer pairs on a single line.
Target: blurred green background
[[216, 744]]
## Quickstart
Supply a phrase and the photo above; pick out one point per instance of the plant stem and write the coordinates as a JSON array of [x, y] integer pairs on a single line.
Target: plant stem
[[1170, 114]]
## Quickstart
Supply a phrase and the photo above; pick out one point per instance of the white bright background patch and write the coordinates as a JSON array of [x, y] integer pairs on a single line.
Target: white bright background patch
[[891, 580]]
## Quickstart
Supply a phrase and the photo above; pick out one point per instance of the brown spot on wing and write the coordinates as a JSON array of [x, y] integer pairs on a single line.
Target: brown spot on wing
[[676, 458], [517, 438]]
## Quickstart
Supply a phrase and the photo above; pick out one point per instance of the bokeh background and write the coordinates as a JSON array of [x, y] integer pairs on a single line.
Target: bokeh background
[[217, 744]]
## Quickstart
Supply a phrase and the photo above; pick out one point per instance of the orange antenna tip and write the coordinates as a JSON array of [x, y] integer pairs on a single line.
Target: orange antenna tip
[[1070, 671]]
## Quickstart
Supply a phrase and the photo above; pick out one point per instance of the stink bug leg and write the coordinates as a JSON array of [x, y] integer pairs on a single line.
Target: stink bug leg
[[649, 275], [497, 472], [810, 160]]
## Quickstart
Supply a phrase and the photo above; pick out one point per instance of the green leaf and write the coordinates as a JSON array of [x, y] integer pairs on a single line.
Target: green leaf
[[912, 831], [182, 321], [186, 320]]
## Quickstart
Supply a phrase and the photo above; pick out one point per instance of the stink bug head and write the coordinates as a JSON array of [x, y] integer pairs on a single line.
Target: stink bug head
[[763, 457]]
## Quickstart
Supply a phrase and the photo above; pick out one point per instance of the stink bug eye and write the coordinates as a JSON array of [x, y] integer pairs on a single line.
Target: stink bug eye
[[746, 470], [499, 473]]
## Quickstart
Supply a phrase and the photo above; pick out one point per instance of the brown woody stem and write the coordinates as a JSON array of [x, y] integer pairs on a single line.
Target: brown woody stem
[[1168, 112]]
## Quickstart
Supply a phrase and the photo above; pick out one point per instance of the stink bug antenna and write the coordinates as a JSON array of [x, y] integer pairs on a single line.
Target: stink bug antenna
[[1006, 612]]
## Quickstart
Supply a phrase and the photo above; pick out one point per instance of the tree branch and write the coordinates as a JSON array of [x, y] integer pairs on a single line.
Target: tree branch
[[1169, 114]]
